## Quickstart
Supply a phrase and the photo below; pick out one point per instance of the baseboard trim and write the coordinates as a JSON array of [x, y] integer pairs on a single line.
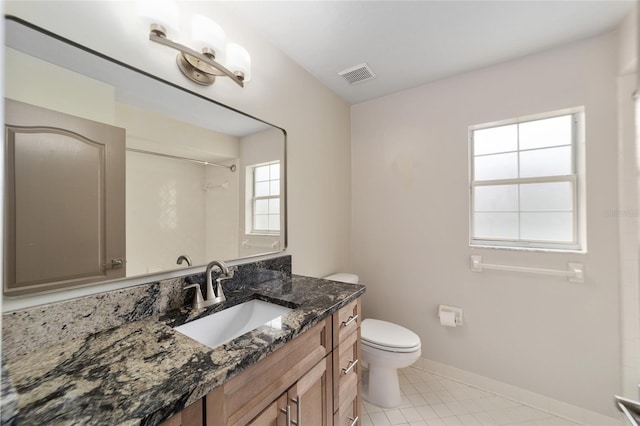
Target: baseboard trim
[[552, 406]]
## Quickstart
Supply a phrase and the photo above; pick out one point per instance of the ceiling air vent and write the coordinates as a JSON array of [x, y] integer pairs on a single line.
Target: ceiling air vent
[[358, 74]]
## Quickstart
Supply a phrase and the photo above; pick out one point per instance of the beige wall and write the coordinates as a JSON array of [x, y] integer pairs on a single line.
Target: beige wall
[[155, 132], [628, 42], [410, 225], [281, 92], [62, 90]]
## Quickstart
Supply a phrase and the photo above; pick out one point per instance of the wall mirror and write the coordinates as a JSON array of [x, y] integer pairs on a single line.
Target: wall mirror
[[190, 180]]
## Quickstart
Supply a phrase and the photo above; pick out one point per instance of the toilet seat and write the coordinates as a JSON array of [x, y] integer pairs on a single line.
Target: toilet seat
[[388, 337]]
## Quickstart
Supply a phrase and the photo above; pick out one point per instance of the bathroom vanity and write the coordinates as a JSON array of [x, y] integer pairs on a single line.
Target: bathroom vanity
[[143, 371], [315, 378]]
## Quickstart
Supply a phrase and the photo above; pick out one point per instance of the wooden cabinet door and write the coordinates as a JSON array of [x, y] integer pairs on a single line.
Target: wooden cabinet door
[[274, 415], [311, 397], [65, 200]]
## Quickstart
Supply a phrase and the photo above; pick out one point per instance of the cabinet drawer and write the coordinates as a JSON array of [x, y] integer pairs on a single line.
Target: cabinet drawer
[[346, 321], [346, 368], [348, 413]]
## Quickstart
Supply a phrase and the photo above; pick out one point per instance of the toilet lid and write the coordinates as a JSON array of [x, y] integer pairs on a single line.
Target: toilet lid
[[384, 334]]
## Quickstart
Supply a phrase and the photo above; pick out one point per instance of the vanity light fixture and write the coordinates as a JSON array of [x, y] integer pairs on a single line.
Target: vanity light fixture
[[202, 63]]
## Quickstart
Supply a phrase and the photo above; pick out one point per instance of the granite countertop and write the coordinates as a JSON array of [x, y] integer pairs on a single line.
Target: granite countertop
[[144, 371]]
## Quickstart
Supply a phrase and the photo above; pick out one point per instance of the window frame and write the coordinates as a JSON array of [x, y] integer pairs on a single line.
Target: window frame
[[575, 178], [252, 200]]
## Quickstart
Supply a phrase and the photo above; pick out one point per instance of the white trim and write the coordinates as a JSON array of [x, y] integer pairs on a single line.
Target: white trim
[[535, 400], [526, 118], [531, 249], [525, 181]]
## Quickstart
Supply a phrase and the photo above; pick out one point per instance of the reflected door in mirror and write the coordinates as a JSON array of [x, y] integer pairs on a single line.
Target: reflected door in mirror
[[65, 224]]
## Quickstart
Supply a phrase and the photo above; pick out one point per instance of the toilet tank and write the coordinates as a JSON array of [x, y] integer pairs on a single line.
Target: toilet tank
[[344, 277]]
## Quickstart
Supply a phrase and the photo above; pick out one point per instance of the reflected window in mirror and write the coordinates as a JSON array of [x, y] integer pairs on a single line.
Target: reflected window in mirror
[[265, 198]]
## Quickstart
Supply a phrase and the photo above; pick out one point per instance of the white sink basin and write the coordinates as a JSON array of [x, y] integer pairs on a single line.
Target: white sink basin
[[221, 327]]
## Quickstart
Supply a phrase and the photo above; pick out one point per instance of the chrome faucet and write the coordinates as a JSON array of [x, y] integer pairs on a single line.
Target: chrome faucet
[[218, 296], [213, 298]]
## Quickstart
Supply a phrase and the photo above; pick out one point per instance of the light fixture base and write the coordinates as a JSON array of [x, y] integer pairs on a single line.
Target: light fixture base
[[205, 67], [185, 63], [201, 68]]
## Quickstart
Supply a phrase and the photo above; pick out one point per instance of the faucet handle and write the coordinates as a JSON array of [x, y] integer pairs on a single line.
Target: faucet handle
[[220, 297], [198, 301], [232, 270]]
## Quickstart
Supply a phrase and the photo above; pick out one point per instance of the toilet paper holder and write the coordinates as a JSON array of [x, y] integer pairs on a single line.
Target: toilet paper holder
[[447, 312]]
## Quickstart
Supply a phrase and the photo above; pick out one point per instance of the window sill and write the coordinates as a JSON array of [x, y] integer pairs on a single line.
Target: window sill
[[529, 249]]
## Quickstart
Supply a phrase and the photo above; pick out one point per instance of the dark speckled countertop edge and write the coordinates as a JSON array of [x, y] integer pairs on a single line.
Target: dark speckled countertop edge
[[91, 381]]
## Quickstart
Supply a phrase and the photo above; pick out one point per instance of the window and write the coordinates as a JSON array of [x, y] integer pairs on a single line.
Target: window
[[265, 199], [524, 183]]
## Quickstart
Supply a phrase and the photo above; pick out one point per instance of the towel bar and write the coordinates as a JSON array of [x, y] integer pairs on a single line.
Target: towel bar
[[574, 271]]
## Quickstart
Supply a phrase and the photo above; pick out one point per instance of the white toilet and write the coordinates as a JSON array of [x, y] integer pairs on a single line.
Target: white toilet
[[385, 348]]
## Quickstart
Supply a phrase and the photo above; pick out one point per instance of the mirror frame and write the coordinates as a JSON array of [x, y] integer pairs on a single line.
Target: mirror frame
[[172, 273]]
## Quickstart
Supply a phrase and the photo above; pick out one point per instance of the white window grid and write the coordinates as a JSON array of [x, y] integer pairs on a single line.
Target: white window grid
[[254, 199], [572, 178]]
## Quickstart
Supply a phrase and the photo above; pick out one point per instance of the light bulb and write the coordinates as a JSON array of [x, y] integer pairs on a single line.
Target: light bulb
[[239, 60], [162, 12], [207, 33]]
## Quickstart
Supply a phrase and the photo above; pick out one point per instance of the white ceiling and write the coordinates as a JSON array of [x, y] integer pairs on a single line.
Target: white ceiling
[[410, 43]]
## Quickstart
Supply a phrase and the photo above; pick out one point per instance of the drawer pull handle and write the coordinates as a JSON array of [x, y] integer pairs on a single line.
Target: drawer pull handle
[[350, 321], [287, 412], [296, 401], [349, 367], [354, 422]]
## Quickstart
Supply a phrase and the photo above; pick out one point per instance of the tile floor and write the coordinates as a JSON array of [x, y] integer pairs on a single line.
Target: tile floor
[[429, 399]]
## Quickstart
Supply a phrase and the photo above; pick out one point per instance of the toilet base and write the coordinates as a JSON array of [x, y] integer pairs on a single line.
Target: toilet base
[[383, 387], [384, 353]]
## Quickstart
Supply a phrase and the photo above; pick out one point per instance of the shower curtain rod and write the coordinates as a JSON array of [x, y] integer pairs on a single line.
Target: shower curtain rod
[[175, 157]]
